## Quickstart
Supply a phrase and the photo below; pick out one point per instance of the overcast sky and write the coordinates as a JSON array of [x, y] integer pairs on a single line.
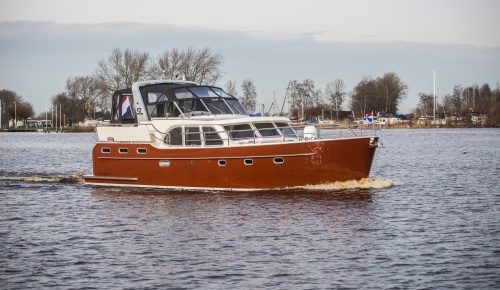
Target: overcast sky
[[42, 43]]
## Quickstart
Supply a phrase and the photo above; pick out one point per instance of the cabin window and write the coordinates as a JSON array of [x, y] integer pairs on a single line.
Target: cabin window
[[212, 100], [155, 97], [142, 150], [212, 138], [105, 150], [123, 150], [203, 92], [183, 94], [207, 99], [236, 107], [156, 104], [266, 129], [217, 106], [175, 136], [248, 162], [286, 130], [192, 107], [192, 136], [222, 162], [221, 93], [232, 102], [241, 131]]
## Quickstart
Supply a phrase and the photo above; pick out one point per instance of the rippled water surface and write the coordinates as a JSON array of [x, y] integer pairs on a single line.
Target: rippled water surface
[[429, 217]]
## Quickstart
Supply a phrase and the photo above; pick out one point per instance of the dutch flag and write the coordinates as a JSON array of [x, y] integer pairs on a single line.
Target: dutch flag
[[369, 117]]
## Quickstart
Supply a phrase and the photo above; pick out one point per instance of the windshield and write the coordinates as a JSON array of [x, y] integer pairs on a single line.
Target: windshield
[[215, 100], [286, 130]]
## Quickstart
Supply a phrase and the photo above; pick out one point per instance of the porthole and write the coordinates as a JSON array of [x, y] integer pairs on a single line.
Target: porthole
[[222, 163], [142, 150], [105, 150], [248, 162], [164, 163], [123, 150], [278, 160]]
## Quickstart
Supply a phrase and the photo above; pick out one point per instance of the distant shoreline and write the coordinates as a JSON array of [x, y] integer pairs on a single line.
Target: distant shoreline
[[81, 129], [77, 129], [429, 126]]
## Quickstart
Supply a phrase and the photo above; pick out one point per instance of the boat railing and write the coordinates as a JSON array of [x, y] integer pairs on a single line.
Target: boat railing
[[304, 133], [337, 131]]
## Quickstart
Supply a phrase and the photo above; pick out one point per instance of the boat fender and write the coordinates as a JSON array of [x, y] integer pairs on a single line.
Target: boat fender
[[310, 132], [375, 144]]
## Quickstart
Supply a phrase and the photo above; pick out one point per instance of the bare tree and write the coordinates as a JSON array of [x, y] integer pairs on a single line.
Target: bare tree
[[120, 70], [21, 111], [249, 99], [231, 88], [363, 95], [307, 90], [335, 94], [83, 93], [295, 96], [426, 103], [304, 96], [8, 99], [456, 98], [168, 65], [391, 90], [201, 66], [381, 94], [494, 112], [72, 108]]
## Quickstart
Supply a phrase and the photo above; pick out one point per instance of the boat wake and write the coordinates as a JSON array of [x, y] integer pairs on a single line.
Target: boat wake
[[365, 183], [75, 178]]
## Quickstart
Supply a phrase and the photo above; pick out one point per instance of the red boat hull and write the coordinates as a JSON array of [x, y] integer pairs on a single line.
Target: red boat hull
[[243, 167]]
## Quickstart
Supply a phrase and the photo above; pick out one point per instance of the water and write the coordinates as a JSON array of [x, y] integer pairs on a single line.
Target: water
[[429, 218]]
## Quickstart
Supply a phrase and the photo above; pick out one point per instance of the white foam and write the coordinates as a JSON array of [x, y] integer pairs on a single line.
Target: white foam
[[75, 178], [365, 183]]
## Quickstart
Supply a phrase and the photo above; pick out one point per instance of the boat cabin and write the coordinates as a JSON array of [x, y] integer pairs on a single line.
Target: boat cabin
[[172, 100], [179, 113]]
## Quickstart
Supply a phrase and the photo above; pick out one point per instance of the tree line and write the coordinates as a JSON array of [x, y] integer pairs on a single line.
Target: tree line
[[90, 95], [86, 95], [462, 102], [13, 106], [305, 100]]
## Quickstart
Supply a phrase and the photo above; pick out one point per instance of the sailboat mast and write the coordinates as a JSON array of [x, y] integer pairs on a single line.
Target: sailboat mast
[[434, 94]]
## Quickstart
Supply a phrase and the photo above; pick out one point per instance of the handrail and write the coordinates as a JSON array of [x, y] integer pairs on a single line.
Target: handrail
[[325, 131]]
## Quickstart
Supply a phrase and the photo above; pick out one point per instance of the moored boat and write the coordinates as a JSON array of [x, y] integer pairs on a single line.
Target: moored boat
[[178, 134]]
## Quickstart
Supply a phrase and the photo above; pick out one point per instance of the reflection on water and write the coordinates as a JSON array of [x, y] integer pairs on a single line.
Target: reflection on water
[[261, 204], [227, 215]]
